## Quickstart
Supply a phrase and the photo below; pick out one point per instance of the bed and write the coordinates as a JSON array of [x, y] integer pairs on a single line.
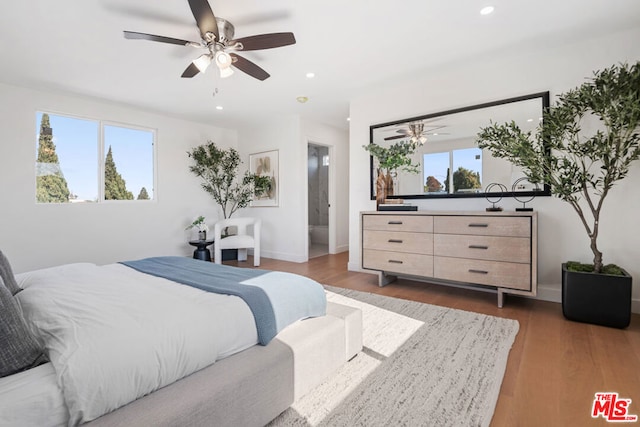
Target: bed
[[131, 346]]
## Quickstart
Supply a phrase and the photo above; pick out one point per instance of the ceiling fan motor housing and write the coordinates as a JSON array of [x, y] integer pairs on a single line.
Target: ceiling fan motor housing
[[226, 30]]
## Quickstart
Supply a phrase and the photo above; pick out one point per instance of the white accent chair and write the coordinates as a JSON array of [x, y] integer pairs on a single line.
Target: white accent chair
[[241, 241]]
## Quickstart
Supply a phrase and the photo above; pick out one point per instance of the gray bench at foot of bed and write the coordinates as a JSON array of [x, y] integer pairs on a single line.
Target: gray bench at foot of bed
[[254, 386]]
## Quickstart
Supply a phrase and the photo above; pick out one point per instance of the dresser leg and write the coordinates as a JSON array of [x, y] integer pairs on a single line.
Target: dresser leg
[[384, 279], [500, 298]]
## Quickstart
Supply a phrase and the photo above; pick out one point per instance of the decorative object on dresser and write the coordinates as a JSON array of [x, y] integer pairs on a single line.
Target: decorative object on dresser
[[585, 144], [494, 193], [488, 249], [524, 200]]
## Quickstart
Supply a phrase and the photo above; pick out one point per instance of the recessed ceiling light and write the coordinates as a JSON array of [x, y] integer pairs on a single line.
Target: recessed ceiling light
[[302, 99], [311, 75], [486, 10], [529, 120], [219, 107], [348, 119]]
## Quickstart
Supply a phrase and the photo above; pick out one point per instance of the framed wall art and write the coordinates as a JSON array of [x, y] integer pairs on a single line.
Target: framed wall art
[[266, 164]]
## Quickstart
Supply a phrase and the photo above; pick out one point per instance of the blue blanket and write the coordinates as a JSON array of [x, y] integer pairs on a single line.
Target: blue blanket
[[276, 299]]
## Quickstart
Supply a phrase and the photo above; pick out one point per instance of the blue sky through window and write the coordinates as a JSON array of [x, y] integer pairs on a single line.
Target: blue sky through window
[[76, 142]]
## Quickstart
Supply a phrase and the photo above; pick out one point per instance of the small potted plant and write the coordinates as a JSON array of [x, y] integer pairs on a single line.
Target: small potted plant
[[201, 226], [581, 167]]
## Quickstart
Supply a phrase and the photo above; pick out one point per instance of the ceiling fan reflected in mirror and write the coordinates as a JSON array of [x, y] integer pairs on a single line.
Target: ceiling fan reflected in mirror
[[218, 39], [416, 132]]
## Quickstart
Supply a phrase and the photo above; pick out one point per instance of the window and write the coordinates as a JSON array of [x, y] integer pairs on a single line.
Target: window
[[466, 165], [436, 173], [467, 170], [69, 169]]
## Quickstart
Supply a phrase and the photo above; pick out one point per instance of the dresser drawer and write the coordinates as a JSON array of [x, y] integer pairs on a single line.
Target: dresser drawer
[[398, 262], [409, 223], [398, 241], [492, 273], [483, 225], [494, 248]]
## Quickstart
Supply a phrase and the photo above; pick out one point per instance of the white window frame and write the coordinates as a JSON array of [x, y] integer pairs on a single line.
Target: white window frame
[[100, 139]]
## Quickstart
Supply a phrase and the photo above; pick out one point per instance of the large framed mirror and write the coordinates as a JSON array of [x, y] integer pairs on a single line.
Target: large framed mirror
[[448, 162]]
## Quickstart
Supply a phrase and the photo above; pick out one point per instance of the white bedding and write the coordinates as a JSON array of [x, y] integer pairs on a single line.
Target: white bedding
[[32, 399], [114, 334]]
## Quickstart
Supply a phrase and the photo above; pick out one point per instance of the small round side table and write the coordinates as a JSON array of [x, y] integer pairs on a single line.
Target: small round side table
[[201, 252]]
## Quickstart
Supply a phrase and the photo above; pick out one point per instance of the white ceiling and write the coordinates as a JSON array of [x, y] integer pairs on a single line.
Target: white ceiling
[[351, 45]]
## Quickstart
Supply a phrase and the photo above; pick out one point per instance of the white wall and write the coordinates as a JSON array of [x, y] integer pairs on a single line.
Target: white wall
[[41, 235], [284, 228], [553, 68]]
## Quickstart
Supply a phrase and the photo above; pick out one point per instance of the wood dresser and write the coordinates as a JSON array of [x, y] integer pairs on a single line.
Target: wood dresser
[[488, 249]]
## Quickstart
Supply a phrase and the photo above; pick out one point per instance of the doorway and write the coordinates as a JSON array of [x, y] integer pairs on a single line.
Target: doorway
[[318, 199]]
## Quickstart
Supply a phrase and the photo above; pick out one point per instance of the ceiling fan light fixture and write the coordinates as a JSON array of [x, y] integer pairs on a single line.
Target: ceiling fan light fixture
[[226, 72], [202, 62], [223, 59]]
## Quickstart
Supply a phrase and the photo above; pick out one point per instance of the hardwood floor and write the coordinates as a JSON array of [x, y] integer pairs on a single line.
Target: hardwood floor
[[555, 366]]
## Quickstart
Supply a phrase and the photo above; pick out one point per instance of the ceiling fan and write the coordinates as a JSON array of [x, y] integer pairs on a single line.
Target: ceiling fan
[[416, 132], [217, 38]]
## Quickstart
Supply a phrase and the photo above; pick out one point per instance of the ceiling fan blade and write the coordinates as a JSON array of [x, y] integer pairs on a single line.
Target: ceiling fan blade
[[131, 35], [403, 131], [191, 71], [249, 67], [265, 41], [205, 18], [389, 138]]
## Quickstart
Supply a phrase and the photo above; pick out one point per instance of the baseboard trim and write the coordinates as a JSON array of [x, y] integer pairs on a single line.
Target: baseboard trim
[[342, 248], [549, 293], [553, 293], [353, 266], [283, 256]]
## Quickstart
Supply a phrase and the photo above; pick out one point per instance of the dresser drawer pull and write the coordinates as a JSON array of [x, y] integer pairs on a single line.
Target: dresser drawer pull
[[476, 224], [478, 271], [395, 222], [395, 241], [478, 247], [394, 261]]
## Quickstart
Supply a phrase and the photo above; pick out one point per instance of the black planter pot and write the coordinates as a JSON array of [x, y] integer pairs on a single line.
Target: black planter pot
[[600, 299], [229, 254]]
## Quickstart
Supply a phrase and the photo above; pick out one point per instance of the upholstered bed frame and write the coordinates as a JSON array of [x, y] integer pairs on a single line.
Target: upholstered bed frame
[[252, 387]]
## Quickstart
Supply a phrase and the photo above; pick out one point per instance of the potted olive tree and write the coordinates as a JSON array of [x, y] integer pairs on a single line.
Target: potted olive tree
[[581, 167], [390, 159], [218, 169]]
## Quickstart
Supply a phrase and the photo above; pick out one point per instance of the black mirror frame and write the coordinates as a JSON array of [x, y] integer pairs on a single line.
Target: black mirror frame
[[545, 192]]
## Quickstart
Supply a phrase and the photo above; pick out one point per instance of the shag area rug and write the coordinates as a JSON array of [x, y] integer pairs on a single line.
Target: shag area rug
[[422, 365]]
